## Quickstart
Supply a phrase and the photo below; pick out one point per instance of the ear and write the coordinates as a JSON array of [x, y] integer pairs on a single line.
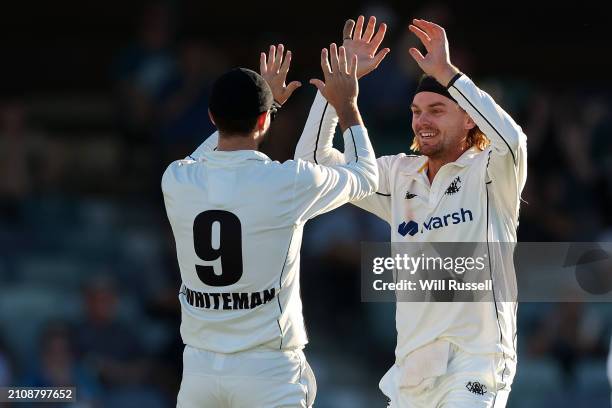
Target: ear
[[210, 116], [468, 123], [261, 120]]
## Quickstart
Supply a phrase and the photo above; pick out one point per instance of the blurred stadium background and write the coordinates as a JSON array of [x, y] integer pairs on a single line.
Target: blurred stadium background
[[98, 97]]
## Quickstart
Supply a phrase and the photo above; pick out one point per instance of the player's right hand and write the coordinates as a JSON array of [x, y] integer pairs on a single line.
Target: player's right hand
[[340, 87], [437, 60], [274, 68], [365, 46]]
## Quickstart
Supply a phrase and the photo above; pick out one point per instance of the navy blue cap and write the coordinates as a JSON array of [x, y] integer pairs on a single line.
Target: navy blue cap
[[240, 94]]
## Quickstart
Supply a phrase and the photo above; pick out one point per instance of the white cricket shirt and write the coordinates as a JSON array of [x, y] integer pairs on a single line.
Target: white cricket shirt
[[237, 219], [474, 199]]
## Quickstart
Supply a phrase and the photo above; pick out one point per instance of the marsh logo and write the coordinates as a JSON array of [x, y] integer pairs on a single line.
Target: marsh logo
[[458, 217], [408, 228]]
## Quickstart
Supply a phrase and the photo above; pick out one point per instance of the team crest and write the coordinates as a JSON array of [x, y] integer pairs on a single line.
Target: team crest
[[476, 388], [454, 187]]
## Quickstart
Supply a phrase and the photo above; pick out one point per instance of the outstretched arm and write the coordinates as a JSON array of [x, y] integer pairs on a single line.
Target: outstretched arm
[[316, 143], [319, 189]]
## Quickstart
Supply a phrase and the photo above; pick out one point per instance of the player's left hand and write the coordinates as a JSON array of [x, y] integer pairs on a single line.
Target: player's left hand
[[274, 68], [437, 61], [364, 46]]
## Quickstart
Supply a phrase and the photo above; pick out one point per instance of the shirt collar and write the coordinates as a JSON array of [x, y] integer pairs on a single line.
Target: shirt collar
[[467, 156], [224, 158], [421, 165]]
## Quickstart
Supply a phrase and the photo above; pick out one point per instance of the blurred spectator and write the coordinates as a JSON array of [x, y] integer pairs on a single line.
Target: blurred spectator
[[569, 334], [6, 365], [331, 256], [164, 308], [599, 121], [105, 342], [20, 155], [58, 367], [565, 176], [182, 101], [141, 70]]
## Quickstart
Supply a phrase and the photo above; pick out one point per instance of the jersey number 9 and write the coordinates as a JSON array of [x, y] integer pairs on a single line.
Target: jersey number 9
[[229, 247]]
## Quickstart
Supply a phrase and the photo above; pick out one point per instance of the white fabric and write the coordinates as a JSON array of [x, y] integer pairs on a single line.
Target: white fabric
[[428, 361], [250, 379], [468, 381], [263, 206]]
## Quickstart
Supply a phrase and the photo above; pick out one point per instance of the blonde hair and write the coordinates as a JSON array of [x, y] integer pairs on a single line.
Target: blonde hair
[[475, 137]]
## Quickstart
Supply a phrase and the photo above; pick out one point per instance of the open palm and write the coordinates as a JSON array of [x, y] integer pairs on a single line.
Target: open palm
[[437, 60], [364, 46], [274, 68]]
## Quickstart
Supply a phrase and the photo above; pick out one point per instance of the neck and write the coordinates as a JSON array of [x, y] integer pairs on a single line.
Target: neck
[[435, 163], [237, 142]]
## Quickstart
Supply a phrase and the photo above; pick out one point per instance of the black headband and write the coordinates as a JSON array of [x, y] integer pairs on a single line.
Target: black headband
[[429, 84]]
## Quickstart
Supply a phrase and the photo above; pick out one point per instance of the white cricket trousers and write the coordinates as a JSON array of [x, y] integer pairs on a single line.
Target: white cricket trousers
[[249, 379], [444, 376]]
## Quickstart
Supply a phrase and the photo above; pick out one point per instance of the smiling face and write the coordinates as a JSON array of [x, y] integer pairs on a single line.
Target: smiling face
[[440, 126]]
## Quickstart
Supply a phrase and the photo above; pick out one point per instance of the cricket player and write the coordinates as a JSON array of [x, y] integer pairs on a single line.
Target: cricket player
[[237, 219], [464, 187]]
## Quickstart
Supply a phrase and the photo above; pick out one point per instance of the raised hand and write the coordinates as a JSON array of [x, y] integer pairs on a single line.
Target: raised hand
[[340, 87], [274, 68], [364, 46], [437, 61]]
